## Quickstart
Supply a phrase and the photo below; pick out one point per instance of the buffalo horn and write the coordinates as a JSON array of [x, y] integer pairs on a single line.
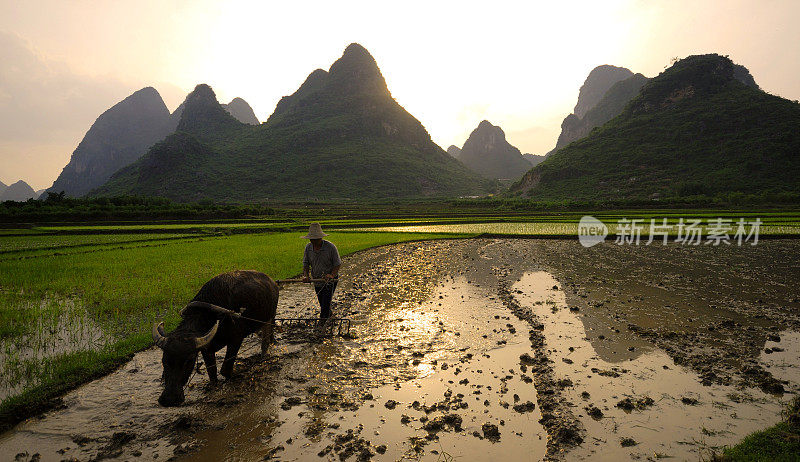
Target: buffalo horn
[[202, 342], [209, 306], [158, 335]]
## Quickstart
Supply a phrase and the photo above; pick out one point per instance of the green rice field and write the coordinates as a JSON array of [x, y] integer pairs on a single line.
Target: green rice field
[[68, 317]]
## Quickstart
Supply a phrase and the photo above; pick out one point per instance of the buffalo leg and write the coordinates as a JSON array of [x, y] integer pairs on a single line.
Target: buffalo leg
[[211, 365], [267, 337], [230, 358]]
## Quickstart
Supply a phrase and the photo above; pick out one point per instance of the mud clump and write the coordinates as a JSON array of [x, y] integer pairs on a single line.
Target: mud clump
[[272, 453], [445, 422], [115, 447], [563, 428], [184, 423], [594, 412], [522, 408], [641, 404], [27, 457], [391, 404], [349, 444], [627, 442], [756, 375], [566, 435], [291, 402], [564, 383], [82, 440], [491, 432], [604, 373], [315, 429]]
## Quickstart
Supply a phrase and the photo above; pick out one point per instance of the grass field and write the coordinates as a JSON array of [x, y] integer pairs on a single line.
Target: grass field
[[66, 318], [16, 244], [560, 223], [780, 442]]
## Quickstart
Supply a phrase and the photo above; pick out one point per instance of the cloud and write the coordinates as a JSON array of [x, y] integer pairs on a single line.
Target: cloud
[[40, 97], [45, 106]]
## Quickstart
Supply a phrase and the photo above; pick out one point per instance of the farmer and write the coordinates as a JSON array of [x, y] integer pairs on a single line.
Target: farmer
[[321, 260]]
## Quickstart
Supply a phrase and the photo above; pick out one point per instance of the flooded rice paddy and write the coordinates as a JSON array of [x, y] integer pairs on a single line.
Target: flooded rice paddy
[[61, 326], [567, 228], [478, 349]]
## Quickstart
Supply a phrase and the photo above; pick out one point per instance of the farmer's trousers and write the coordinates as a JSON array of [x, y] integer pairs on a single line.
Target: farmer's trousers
[[324, 295]]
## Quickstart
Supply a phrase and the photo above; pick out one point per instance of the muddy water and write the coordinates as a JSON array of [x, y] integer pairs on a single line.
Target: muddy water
[[461, 368], [84, 427], [62, 326], [660, 407], [479, 349]]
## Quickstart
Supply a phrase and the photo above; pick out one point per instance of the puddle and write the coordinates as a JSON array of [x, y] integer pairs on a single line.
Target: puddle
[[465, 349], [123, 402], [780, 357], [684, 418]]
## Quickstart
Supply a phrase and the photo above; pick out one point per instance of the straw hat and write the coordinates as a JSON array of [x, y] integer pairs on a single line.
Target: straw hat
[[314, 232]]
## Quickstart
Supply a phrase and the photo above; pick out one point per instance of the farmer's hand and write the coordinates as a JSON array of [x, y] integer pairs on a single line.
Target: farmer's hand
[[306, 279], [328, 277]]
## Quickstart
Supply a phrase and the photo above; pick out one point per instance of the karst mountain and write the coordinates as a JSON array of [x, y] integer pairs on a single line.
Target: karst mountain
[[341, 135], [700, 128]]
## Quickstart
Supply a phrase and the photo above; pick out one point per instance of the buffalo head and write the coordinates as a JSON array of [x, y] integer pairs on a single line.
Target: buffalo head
[[179, 357]]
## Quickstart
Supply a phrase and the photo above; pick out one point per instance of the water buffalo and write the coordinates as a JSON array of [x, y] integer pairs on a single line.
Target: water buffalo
[[206, 326]]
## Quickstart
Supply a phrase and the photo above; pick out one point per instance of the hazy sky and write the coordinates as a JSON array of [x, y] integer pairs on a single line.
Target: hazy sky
[[450, 64]]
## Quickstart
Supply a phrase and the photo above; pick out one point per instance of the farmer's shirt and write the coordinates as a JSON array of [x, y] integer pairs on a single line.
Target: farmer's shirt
[[321, 261]]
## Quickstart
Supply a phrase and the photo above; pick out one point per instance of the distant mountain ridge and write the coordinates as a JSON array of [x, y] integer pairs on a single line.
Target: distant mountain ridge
[[340, 135], [19, 191], [613, 101], [204, 116], [118, 137], [241, 111], [597, 83], [533, 159], [238, 108], [701, 127], [487, 152], [602, 96], [124, 133]]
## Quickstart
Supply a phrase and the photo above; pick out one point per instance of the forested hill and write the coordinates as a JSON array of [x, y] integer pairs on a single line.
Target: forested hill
[[702, 127]]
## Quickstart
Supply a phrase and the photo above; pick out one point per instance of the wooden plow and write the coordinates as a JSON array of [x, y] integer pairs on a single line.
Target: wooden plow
[[329, 327]]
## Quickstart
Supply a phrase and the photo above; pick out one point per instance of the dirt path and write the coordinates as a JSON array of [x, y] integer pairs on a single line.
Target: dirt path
[[477, 349]]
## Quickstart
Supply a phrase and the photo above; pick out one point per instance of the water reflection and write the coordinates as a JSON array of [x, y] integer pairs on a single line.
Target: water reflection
[[60, 326], [684, 417]]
